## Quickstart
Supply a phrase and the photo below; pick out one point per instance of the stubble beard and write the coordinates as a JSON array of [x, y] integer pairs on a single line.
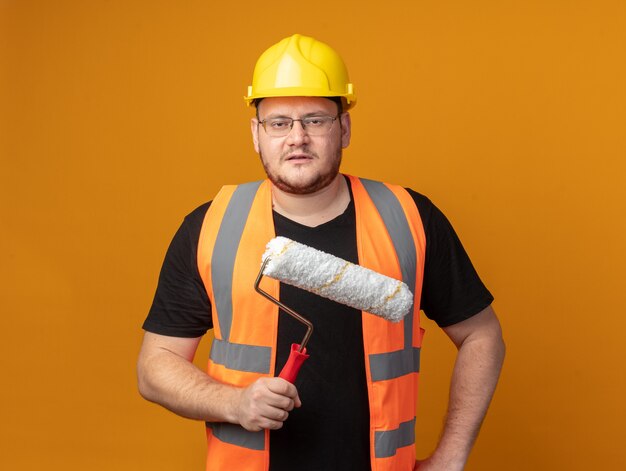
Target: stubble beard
[[321, 180]]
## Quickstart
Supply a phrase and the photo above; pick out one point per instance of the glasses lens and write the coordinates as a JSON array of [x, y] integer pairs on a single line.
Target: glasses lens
[[317, 125], [277, 126]]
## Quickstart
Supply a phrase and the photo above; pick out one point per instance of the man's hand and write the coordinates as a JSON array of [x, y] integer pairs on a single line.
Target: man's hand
[[266, 404]]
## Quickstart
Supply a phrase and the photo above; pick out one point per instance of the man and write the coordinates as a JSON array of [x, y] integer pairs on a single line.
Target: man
[[353, 404]]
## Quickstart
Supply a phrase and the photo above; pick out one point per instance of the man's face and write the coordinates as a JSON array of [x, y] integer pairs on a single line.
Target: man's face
[[299, 163]]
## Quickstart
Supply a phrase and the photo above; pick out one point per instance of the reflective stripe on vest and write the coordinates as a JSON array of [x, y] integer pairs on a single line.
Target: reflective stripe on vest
[[228, 258], [237, 435], [394, 364], [233, 356], [225, 251], [388, 441]]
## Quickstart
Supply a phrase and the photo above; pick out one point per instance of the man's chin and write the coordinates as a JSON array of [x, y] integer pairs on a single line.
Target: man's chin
[[305, 187], [298, 189]]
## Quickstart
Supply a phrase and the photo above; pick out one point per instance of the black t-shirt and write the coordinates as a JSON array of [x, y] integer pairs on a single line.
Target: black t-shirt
[[331, 429]]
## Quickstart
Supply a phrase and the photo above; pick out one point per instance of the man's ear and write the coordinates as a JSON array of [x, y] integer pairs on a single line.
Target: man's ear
[[346, 129], [254, 128]]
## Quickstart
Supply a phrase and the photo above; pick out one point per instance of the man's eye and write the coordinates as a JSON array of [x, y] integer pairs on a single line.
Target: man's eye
[[314, 121], [278, 123]]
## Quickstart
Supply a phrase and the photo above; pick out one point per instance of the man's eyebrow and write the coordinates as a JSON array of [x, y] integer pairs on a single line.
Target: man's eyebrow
[[276, 116], [316, 113], [306, 115]]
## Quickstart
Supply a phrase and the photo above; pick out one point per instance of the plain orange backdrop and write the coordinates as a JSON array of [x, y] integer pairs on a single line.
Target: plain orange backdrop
[[119, 117]]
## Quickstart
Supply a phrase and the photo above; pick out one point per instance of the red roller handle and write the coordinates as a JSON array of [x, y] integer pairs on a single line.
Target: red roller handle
[[294, 362]]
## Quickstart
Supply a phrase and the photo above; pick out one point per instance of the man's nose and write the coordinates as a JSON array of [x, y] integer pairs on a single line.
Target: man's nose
[[297, 134]]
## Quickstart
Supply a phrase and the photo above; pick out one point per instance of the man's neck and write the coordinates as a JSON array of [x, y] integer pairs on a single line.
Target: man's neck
[[315, 208]]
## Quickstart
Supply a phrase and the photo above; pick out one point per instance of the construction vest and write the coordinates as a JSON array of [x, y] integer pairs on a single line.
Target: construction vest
[[390, 240]]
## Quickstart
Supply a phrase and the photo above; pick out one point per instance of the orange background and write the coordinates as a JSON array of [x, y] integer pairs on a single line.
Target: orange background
[[119, 117]]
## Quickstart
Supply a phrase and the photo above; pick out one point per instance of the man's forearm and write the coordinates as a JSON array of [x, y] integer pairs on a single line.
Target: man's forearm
[[178, 385], [474, 378], [167, 376]]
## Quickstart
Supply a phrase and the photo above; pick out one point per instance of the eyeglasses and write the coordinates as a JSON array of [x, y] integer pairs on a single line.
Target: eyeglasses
[[312, 125]]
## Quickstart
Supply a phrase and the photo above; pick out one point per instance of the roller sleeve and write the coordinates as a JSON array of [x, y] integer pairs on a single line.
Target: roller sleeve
[[337, 279]]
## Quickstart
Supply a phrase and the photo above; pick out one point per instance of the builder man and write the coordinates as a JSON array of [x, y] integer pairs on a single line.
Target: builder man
[[353, 404]]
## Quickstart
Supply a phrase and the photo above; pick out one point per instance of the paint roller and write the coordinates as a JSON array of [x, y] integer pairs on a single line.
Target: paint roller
[[330, 277]]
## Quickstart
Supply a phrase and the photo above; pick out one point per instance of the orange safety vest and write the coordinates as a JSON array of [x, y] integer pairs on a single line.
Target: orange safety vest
[[390, 240]]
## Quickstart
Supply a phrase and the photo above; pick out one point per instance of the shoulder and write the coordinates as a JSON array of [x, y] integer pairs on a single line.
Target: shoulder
[[437, 226], [424, 205], [198, 214], [185, 240], [194, 220]]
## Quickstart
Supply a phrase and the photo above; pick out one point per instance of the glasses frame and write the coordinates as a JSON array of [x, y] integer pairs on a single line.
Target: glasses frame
[[304, 128]]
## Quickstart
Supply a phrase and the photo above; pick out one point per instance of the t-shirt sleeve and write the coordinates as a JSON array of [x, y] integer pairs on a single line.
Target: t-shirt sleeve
[[452, 291], [181, 306]]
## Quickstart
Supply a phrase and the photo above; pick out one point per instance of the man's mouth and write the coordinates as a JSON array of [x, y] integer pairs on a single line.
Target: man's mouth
[[299, 157]]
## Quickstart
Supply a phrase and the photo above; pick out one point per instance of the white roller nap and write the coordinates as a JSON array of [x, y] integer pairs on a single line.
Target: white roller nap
[[337, 279]]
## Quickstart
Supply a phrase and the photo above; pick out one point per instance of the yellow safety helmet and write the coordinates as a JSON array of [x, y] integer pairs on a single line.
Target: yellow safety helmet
[[301, 66]]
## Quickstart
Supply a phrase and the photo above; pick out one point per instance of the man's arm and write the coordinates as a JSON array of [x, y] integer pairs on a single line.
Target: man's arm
[[476, 371], [167, 376]]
